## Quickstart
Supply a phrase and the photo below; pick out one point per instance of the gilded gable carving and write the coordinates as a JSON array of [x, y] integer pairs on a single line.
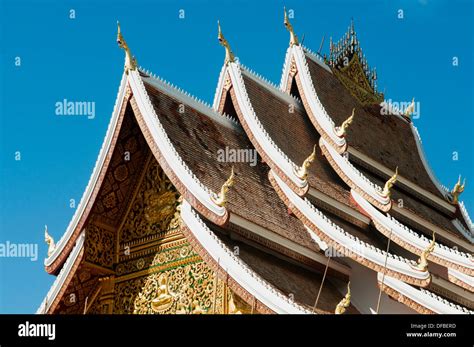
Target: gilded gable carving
[[153, 208], [99, 245]]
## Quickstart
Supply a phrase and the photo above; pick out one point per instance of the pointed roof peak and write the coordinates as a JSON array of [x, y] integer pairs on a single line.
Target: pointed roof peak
[[229, 56], [289, 27]]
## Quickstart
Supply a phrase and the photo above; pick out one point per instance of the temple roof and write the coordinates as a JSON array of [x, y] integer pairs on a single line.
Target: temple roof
[[385, 138], [272, 207], [198, 138], [293, 133]]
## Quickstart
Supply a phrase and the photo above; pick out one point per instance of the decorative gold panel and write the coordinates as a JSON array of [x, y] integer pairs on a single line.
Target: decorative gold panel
[[99, 246], [188, 289], [355, 80], [153, 207]]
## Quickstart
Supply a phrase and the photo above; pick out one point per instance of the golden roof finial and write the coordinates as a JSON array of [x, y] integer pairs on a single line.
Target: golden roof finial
[[345, 302], [341, 131], [410, 109], [389, 184], [423, 261], [302, 172], [49, 240], [229, 56], [289, 27], [221, 198], [457, 190], [130, 62]]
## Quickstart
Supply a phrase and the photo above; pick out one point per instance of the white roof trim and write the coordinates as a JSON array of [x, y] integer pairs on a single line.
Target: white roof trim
[[423, 297], [219, 88], [462, 229], [285, 73], [450, 236], [314, 57], [340, 206], [349, 241], [62, 276], [441, 203], [466, 216], [469, 280], [442, 189], [355, 175], [411, 237], [94, 177], [317, 109], [259, 132], [286, 243], [169, 153], [190, 100], [236, 268], [271, 87]]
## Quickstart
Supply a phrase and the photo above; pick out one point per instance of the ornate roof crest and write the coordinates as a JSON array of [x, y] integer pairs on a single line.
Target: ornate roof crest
[[350, 66]]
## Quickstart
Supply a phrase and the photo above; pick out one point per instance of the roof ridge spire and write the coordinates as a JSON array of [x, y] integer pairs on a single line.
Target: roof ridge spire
[[130, 61], [289, 27], [229, 56]]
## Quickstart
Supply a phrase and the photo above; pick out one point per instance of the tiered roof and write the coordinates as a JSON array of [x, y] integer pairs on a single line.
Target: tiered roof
[[341, 200]]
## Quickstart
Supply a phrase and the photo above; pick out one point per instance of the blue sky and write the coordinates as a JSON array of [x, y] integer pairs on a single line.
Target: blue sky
[[78, 59]]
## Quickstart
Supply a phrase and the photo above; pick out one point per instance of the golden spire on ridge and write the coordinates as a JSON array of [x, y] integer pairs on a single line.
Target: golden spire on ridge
[[341, 131], [457, 190], [289, 27], [302, 172], [49, 240], [229, 56], [221, 198], [410, 109], [130, 61], [389, 184], [423, 261]]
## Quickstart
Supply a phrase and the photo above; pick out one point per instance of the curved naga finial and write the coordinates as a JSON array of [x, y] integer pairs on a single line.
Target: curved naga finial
[[457, 190], [423, 261], [389, 184], [410, 109], [302, 172], [345, 302], [229, 56], [221, 198], [341, 131], [130, 61], [49, 240], [289, 27]]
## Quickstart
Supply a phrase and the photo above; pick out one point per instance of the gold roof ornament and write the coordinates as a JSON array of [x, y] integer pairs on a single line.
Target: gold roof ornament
[[423, 261], [130, 61], [302, 172], [289, 27], [49, 240], [229, 56], [389, 184], [341, 131], [410, 109], [345, 302], [457, 190], [221, 198]]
